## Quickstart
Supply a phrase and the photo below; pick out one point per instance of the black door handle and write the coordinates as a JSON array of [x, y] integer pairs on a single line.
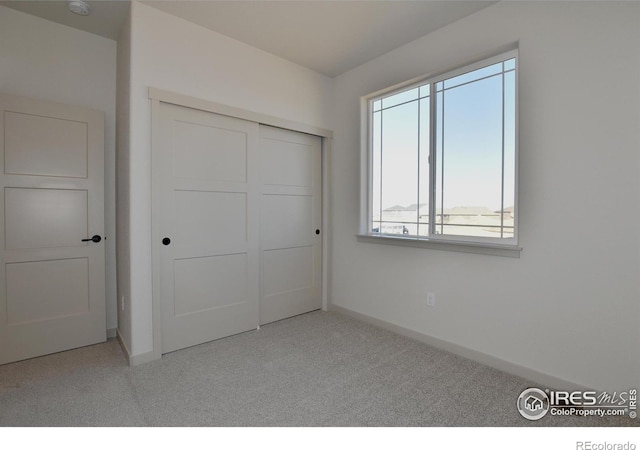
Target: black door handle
[[94, 238]]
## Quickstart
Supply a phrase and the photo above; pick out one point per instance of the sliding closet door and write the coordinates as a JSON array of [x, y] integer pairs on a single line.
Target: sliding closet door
[[290, 237], [237, 212], [208, 243]]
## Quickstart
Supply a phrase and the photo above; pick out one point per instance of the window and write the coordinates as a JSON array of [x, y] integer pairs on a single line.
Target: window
[[442, 157]]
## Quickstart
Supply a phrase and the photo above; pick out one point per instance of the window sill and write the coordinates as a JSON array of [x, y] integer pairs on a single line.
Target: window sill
[[510, 251]]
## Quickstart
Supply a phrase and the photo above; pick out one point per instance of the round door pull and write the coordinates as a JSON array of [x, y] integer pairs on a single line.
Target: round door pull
[[94, 238], [166, 241], [317, 231]]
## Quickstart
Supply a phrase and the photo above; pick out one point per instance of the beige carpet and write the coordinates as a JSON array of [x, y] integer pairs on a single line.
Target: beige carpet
[[318, 369]]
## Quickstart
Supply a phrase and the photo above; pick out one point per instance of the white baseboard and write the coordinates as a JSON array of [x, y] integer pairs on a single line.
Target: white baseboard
[[142, 358], [135, 360], [538, 379], [127, 354]]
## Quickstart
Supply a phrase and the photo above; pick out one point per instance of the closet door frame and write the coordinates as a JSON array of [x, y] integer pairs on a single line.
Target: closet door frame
[[158, 96]]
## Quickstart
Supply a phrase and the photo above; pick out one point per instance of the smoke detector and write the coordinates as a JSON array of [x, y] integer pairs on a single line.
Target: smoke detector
[[79, 7]]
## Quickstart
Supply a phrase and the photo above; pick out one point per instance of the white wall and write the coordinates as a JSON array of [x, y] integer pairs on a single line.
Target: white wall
[[175, 55], [123, 131], [48, 61], [569, 307]]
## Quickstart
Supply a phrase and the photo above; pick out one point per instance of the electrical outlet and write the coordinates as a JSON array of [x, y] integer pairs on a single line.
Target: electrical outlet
[[431, 299], [122, 303]]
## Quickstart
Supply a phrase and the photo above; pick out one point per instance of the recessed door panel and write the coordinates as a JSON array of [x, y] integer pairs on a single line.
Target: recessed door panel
[[203, 284], [210, 220], [208, 152], [286, 163], [45, 145], [42, 290], [286, 270], [45, 218], [287, 220]]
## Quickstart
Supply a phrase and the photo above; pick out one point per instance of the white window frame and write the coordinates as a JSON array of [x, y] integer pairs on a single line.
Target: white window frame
[[470, 244]]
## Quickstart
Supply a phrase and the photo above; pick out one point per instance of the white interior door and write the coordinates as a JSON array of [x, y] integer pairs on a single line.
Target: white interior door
[[206, 177], [291, 217], [52, 287]]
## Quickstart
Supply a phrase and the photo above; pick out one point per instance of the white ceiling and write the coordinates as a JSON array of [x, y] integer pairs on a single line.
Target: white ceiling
[[106, 17], [330, 37]]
